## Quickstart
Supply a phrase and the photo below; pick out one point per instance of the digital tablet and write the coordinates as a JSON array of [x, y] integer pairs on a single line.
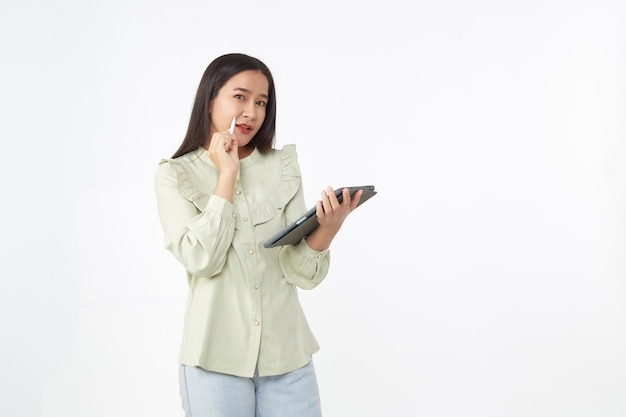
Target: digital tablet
[[306, 223]]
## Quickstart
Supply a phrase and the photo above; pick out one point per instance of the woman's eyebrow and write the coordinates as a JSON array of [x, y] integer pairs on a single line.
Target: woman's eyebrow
[[245, 90]]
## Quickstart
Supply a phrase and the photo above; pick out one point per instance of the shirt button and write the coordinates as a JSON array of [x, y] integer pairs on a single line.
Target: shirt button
[[250, 251], [319, 256], [234, 216], [256, 322], [238, 192], [256, 286], [245, 219]]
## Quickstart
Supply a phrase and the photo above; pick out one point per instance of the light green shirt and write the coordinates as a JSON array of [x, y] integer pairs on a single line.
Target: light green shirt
[[242, 309]]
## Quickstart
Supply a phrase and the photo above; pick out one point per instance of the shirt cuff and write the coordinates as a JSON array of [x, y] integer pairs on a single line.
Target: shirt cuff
[[307, 252], [219, 205]]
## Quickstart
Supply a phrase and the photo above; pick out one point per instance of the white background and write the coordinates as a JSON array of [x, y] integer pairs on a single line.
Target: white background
[[487, 277]]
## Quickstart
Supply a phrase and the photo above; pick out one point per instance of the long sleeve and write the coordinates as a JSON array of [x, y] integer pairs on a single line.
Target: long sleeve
[[198, 239]]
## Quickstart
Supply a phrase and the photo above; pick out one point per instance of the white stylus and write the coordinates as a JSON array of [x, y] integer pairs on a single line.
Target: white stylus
[[232, 126]]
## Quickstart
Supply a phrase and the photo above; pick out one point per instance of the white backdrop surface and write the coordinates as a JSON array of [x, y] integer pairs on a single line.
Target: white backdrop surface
[[487, 277]]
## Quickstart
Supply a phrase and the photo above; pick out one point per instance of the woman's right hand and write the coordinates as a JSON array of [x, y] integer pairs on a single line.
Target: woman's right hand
[[224, 152]]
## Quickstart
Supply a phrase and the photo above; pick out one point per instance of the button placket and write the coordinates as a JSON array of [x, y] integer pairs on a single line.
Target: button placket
[[243, 217]]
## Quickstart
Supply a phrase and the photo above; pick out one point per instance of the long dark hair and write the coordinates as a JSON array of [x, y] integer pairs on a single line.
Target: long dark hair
[[215, 76]]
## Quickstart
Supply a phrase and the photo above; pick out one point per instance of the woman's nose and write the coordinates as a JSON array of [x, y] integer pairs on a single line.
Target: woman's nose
[[249, 112]]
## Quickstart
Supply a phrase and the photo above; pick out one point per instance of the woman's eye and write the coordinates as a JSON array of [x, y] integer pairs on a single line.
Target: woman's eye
[[239, 97], [261, 103]]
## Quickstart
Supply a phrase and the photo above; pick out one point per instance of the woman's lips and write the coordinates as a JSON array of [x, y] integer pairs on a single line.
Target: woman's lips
[[244, 128]]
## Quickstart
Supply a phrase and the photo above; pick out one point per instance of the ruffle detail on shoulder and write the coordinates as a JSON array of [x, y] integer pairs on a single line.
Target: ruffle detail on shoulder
[[187, 184], [287, 184]]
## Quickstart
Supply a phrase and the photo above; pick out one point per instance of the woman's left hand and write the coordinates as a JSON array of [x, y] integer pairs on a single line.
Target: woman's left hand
[[331, 215]]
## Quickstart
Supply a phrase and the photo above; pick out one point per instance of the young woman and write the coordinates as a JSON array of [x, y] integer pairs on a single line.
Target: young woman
[[246, 347]]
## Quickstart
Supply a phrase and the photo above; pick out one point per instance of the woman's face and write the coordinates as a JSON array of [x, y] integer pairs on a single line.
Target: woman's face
[[244, 96]]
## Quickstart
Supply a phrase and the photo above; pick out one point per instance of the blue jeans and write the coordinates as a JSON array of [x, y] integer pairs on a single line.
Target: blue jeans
[[211, 394]]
